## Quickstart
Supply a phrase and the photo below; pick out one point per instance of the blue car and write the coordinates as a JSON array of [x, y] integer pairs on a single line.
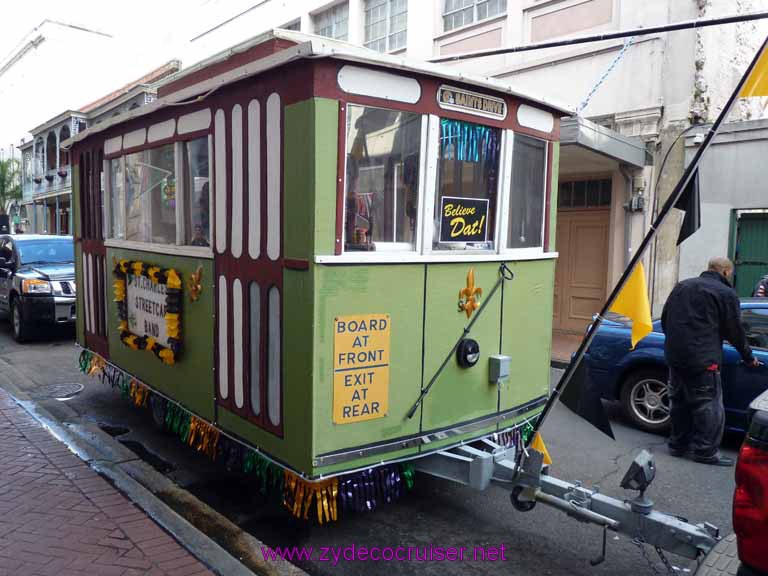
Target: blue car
[[638, 378]]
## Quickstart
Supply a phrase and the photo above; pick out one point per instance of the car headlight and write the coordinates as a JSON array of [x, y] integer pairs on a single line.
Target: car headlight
[[34, 286]]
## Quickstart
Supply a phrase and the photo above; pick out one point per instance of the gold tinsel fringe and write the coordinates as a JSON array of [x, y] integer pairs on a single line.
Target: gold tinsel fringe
[[299, 493], [203, 437], [139, 393]]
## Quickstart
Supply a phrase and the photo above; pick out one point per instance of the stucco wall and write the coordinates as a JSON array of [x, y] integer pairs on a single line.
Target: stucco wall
[[731, 178]]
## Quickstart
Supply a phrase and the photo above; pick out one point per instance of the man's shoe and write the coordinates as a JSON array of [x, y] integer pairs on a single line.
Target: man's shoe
[[717, 460], [679, 452]]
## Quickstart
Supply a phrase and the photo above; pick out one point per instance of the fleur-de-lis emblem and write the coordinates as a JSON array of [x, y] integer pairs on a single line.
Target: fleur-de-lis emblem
[[468, 296], [195, 284]]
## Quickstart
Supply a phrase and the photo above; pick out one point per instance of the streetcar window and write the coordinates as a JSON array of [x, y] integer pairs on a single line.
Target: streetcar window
[[150, 196], [383, 149], [467, 186], [526, 203], [197, 193]]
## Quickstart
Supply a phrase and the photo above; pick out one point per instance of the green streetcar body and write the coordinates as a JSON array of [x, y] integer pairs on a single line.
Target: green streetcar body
[[268, 351]]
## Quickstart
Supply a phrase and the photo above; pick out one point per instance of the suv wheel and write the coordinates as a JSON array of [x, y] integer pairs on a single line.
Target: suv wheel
[[21, 331], [645, 399]]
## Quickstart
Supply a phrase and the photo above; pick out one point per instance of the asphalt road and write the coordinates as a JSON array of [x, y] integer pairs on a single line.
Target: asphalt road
[[436, 512]]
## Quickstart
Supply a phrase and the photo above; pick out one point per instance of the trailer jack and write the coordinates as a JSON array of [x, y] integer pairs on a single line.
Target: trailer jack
[[484, 462]]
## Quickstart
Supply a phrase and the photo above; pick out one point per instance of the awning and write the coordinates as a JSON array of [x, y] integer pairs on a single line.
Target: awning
[[585, 134]]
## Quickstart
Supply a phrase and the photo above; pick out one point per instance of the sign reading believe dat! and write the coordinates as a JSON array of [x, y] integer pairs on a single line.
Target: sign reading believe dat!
[[463, 219]]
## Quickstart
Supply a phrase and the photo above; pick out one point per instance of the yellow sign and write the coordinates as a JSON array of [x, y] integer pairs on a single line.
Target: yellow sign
[[360, 368]]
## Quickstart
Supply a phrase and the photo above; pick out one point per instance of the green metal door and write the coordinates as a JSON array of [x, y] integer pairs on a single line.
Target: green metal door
[[751, 251]]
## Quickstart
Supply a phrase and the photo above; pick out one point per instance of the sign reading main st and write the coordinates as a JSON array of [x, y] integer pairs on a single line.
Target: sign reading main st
[[360, 367]]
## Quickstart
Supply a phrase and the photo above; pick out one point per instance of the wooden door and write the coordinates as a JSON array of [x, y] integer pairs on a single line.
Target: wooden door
[[582, 268]]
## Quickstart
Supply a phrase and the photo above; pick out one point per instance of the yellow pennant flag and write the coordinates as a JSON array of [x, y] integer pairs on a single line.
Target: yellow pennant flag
[[538, 445], [632, 302], [757, 81]]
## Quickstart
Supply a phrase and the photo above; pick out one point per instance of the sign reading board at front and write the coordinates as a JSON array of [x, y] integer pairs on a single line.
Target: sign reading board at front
[[451, 98], [145, 306], [360, 367], [463, 219]]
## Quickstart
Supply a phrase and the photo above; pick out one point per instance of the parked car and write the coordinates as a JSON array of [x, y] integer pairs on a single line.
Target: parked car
[[37, 282], [638, 378], [745, 553]]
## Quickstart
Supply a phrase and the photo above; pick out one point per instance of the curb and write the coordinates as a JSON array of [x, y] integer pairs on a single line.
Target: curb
[[141, 484]]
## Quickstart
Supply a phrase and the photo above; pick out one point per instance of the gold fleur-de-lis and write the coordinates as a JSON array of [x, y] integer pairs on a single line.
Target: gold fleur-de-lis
[[469, 295], [195, 284]]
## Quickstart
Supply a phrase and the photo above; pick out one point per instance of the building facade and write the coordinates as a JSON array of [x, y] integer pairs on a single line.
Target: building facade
[[46, 176], [633, 98]]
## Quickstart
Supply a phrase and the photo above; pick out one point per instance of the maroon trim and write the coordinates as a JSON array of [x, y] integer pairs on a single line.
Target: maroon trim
[[296, 264], [548, 195], [341, 178], [236, 60], [326, 85]]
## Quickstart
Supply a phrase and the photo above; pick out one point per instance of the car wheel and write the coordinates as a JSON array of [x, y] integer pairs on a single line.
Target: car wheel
[[21, 331], [645, 399]]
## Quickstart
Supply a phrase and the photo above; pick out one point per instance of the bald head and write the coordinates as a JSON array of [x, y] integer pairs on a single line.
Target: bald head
[[722, 266]]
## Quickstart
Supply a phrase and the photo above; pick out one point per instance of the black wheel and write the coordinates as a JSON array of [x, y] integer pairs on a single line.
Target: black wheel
[[645, 399], [21, 330]]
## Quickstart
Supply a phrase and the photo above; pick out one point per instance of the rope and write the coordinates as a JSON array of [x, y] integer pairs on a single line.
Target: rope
[[627, 43]]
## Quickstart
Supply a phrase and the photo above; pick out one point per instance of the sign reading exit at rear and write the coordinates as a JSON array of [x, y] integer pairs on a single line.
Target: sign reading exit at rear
[[360, 367]]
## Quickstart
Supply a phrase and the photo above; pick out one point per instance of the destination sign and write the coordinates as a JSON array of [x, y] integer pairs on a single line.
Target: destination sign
[[471, 102]]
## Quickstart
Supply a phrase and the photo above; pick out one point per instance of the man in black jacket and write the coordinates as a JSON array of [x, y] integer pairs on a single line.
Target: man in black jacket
[[699, 314]]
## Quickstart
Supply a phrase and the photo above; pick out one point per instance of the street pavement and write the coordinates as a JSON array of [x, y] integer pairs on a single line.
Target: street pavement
[[436, 512]]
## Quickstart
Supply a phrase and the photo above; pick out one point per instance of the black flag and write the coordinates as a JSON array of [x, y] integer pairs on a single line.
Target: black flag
[[690, 201], [583, 398]]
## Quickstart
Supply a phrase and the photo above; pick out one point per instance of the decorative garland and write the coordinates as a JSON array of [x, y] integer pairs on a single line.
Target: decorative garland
[[173, 298], [359, 491]]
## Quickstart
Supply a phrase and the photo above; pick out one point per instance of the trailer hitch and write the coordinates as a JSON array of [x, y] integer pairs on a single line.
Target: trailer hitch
[[485, 462]]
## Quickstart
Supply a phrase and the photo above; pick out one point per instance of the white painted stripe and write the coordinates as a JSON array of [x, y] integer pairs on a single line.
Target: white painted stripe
[[91, 293], [162, 130], [255, 359], [274, 153], [86, 292], [273, 357], [220, 189], [223, 337], [531, 117], [237, 341], [113, 145], [237, 181], [135, 138], [254, 179], [367, 82], [200, 120]]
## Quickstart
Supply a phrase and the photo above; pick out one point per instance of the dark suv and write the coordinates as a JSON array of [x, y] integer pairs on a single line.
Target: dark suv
[[37, 281]]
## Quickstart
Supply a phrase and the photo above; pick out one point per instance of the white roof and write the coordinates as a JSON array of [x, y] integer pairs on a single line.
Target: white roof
[[307, 46]]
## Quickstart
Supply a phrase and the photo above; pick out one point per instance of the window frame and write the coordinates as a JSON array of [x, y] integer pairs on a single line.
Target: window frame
[[428, 173], [388, 31], [532, 250], [179, 248], [329, 10], [475, 19], [389, 247]]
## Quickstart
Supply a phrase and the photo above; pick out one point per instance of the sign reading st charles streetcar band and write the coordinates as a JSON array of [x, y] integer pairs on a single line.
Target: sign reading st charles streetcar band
[[469, 102], [463, 219], [145, 305], [360, 367]]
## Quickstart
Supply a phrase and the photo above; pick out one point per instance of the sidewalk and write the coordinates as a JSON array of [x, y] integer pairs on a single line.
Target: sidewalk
[[60, 518]]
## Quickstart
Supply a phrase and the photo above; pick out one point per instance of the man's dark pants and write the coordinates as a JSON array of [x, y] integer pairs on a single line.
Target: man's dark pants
[[697, 413]]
